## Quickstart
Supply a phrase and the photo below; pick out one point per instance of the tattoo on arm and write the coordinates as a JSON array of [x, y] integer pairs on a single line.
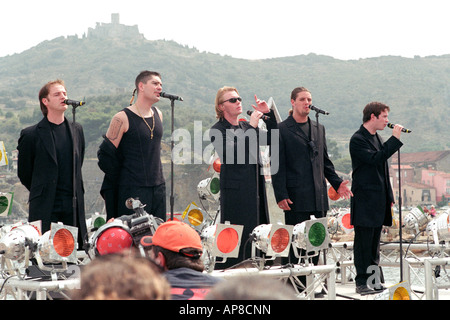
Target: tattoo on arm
[[114, 128]]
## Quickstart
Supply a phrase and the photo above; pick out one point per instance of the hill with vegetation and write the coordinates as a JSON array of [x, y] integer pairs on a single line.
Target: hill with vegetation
[[101, 70]]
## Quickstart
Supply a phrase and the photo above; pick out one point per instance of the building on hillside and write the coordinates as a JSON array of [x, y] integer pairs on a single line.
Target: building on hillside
[[407, 175], [439, 180], [436, 160], [414, 194], [115, 30], [420, 173]]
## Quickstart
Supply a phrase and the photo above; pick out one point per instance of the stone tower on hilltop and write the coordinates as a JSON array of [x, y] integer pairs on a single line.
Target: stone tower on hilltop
[[115, 30]]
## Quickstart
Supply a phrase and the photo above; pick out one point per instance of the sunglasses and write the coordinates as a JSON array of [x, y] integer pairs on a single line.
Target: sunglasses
[[233, 100]]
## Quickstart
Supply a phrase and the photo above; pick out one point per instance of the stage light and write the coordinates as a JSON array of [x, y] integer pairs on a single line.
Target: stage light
[[95, 221], [112, 237], [439, 228], [332, 194], [217, 164], [195, 217], [98, 221], [273, 239], [6, 201], [222, 240], [415, 220], [15, 240], [209, 188], [59, 244], [344, 219], [400, 291], [311, 235]]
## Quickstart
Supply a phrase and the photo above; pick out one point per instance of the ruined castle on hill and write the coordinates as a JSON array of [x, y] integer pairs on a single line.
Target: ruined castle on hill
[[115, 30]]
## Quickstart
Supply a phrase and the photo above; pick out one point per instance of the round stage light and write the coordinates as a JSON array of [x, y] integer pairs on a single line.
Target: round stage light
[[214, 185], [227, 240], [332, 194], [280, 240], [401, 293], [195, 217], [217, 164], [63, 242], [98, 222], [317, 234]]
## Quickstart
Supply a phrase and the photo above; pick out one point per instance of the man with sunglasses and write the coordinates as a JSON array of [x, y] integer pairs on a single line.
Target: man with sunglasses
[[299, 185], [243, 198]]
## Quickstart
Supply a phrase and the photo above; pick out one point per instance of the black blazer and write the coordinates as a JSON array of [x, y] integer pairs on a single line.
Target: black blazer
[[372, 191], [239, 174], [303, 167], [38, 171]]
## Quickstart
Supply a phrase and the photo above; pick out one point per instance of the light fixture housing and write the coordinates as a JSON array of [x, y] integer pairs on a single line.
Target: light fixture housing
[[195, 217], [273, 239], [222, 240], [209, 188], [439, 228], [344, 220], [415, 220], [16, 238], [6, 201], [59, 244], [112, 237], [311, 235]]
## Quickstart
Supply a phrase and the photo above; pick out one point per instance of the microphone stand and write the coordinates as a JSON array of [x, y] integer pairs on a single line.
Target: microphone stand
[[321, 181], [74, 175], [172, 201], [400, 215]]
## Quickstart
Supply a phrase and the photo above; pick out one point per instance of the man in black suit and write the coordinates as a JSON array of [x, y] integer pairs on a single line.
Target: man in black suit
[[373, 197], [243, 199], [45, 164], [299, 185]]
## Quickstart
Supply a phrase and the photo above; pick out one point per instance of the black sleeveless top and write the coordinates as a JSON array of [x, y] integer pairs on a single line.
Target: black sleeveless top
[[142, 155]]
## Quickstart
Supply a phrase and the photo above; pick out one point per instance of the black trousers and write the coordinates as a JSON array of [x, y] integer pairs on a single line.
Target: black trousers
[[366, 254]]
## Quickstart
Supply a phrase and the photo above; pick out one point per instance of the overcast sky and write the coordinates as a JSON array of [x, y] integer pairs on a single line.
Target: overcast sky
[[250, 29]]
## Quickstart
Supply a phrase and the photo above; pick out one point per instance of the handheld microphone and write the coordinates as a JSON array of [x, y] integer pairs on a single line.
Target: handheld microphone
[[391, 125], [74, 103], [264, 117], [170, 96], [319, 110]]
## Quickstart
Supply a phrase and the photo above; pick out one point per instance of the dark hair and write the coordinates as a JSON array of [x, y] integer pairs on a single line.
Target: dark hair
[[373, 107], [144, 76], [190, 258], [45, 90], [294, 94]]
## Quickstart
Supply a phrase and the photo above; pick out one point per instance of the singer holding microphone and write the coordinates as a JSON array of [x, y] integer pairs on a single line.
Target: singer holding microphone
[[299, 185], [243, 199], [373, 196], [45, 163], [130, 154]]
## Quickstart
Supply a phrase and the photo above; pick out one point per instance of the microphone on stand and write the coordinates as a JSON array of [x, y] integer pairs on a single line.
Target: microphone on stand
[[264, 117], [170, 96], [391, 125], [74, 103], [319, 110]]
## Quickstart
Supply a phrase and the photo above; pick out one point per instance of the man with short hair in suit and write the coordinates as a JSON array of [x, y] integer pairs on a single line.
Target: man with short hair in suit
[[45, 163], [372, 192]]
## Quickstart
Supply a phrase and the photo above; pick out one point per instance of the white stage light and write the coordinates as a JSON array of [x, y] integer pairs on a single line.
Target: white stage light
[[415, 220], [311, 235], [59, 244], [273, 239], [15, 241]]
